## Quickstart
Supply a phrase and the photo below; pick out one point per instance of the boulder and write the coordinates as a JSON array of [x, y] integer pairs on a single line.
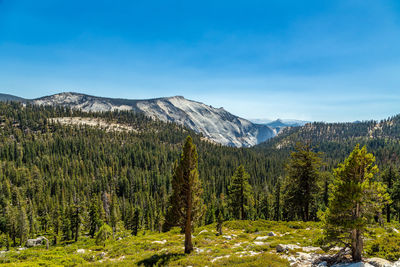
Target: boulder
[[80, 250], [271, 234], [227, 237], [41, 240], [259, 238], [310, 249], [203, 231], [354, 264], [303, 256], [379, 262], [199, 250], [283, 248], [220, 257]]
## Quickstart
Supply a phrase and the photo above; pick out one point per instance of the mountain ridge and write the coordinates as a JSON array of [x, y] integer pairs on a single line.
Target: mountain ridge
[[217, 124]]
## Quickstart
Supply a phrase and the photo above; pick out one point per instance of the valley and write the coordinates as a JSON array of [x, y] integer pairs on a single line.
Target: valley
[[68, 174]]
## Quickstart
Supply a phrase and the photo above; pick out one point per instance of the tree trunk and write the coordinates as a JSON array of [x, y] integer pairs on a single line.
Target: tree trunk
[[188, 223], [241, 203], [388, 213], [76, 232], [357, 245]]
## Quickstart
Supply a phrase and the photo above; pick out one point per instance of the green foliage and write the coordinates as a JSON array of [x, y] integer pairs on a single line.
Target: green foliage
[[185, 203], [135, 222], [356, 198], [94, 218], [240, 201], [384, 246], [301, 186], [104, 233]]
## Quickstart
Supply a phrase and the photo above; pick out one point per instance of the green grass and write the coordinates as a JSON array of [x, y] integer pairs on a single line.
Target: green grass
[[210, 249]]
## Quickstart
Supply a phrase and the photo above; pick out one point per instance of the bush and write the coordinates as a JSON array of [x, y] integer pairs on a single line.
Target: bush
[[104, 233], [386, 246]]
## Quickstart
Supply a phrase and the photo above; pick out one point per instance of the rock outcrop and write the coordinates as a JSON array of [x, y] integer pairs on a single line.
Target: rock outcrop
[[41, 240]]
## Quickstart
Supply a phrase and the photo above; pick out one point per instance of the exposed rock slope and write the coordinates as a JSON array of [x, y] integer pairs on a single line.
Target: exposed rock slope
[[214, 123]]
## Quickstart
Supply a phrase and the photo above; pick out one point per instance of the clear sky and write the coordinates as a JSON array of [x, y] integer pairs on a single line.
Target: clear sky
[[323, 60]]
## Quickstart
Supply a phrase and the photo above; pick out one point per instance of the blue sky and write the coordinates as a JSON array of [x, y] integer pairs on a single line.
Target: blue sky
[[314, 60]]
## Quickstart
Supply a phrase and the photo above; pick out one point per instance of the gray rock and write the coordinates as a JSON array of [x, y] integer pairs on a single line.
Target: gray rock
[[227, 237], [199, 250], [303, 256], [355, 264], [283, 248], [271, 234], [379, 262], [310, 249], [41, 240]]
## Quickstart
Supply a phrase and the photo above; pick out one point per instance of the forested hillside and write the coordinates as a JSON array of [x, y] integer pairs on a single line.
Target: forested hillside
[[51, 173], [337, 140], [72, 176]]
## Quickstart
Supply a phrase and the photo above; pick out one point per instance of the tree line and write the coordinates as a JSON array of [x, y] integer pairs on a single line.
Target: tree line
[[63, 181]]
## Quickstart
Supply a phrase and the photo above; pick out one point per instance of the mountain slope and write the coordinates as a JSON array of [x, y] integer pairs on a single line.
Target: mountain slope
[[215, 124], [7, 97]]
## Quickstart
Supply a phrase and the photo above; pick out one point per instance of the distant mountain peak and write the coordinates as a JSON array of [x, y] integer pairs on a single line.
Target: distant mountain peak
[[216, 124], [177, 97]]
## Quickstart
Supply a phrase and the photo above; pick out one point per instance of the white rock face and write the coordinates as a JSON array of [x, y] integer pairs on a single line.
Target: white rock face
[[216, 124]]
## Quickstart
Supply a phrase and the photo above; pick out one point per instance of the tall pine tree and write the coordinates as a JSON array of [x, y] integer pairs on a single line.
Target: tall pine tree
[[240, 194], [302, 181], [186, 205], [356, 198]]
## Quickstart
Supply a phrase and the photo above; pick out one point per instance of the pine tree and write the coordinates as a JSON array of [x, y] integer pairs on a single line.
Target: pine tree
[[94, 218], [240, 194], [104, 233], [186, 206], [66, 225], [11, 223], [220, 220], [395, 195], [76, 220], [301, 185], [389, 178], [277, 200], [135, 222], [23, 225], [356, 198], [265, 207], [56, 220], [114, 214]]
